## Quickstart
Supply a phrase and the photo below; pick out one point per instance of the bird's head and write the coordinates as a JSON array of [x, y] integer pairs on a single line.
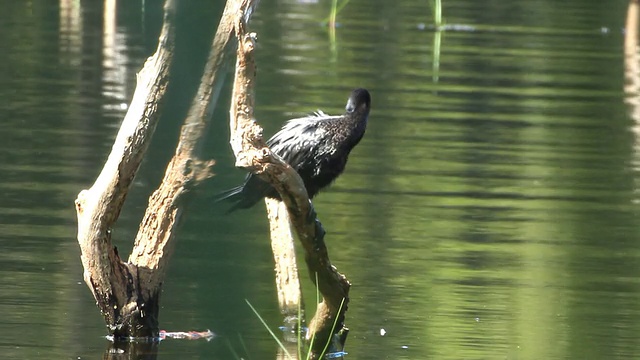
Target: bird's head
[[359, 101]]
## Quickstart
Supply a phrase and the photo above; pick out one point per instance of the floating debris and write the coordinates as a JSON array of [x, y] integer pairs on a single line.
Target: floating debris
[[164, 334], [189, 335]]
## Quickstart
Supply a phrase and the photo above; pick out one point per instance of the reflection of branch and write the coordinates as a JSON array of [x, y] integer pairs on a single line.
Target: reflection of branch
[[286, 266], [631, 65], [632, 72], [252, 153], [631, 29]]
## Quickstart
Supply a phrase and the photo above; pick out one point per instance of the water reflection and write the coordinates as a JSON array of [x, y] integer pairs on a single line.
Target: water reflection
[[70, 29], [482, 215], [114, 53], [632, 73]]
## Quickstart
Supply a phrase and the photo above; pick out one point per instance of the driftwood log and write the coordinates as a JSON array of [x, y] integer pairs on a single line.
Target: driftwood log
[[127, 293], [252, 153]]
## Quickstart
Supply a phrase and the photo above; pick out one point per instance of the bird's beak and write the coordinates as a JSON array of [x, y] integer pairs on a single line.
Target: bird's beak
[[351, 107]]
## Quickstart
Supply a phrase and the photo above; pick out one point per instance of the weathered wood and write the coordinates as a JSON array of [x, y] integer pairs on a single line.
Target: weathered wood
[[111, 280], [252, 153], [154, 241], [127, 293]]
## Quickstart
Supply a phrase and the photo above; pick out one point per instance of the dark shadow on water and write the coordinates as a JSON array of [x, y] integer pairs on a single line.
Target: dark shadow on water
[[120, 350]]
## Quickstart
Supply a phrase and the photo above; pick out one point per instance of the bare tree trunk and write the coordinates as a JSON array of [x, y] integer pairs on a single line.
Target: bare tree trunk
[[113, 282], [127, 293], [252, 153]]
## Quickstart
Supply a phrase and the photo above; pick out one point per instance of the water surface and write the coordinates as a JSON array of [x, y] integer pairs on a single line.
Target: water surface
[[489, 212]]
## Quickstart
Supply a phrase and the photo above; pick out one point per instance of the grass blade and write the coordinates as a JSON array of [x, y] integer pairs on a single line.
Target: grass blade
[[333, 328], [269, 330]]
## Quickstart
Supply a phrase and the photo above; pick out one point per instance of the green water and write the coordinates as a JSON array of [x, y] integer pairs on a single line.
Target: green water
[[491, 214]]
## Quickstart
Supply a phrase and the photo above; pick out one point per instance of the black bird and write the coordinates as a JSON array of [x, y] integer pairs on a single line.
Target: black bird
[[316, 146]]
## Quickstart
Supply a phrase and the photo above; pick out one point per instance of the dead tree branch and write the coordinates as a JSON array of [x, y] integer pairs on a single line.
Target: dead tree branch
[[98, 208], [252, 154], [128, 293], [185, 169]]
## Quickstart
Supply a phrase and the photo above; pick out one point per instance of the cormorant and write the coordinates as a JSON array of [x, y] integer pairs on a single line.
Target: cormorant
[[316, 146]]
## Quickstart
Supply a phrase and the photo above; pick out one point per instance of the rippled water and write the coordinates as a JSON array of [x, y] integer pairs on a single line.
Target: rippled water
[[490, 211]]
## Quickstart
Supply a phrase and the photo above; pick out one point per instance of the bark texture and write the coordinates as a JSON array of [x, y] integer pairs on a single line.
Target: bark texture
[[127, 293], [252, 153], [114, 283]]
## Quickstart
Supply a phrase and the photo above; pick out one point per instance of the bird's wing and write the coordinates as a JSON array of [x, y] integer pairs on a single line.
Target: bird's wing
[[301, 140]]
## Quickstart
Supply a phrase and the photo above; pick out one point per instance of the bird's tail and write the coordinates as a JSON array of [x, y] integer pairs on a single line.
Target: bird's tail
[[248, 194], [233, 195]]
